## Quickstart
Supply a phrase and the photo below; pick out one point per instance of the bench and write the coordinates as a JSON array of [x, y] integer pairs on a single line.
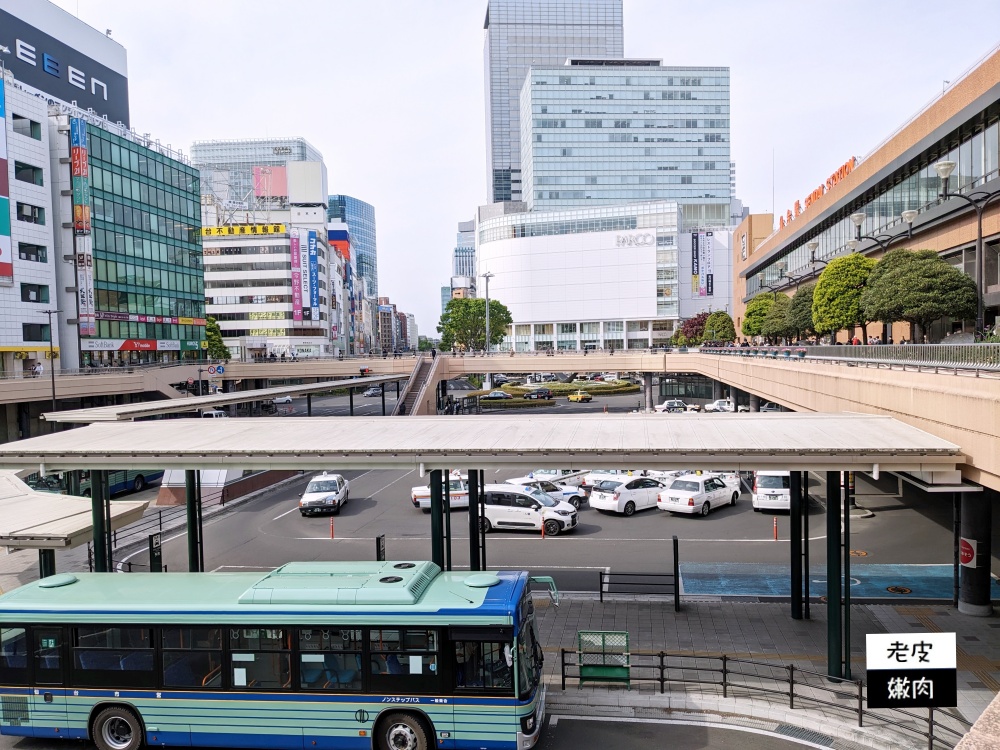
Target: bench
[[603, 656]]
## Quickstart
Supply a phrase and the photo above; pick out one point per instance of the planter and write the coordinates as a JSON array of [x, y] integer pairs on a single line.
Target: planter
[[785, 353], [682, 350], [800, 353]]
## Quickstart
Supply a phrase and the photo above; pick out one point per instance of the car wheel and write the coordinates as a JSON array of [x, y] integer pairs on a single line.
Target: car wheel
[[303, 513], [117, 728], [629, 508], [485, 526], [706, 509], [335, 511], [736, 496], [576, 502], [139, 484], [552, 527]]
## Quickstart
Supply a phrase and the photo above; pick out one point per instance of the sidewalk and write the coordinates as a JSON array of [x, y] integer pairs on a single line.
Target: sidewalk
[[764, 632]]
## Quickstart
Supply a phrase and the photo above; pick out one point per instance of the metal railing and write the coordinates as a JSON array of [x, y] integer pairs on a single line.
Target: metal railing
[[934, 357], [785, 682], [108, 370], [645, 583]]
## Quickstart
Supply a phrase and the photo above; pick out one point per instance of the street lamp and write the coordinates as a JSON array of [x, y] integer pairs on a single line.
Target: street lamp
[[979, 200], [762, 285], [883, 240], [52, 358], [487, 276]]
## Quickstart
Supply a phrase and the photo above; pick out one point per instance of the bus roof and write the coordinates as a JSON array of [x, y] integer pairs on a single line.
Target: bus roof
[[302, 592]]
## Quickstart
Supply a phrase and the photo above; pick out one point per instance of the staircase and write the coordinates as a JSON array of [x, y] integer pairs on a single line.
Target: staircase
[[410, 399]]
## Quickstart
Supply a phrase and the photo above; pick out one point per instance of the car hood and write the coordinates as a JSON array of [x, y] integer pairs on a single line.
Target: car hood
[[311, 496], [561, 505]]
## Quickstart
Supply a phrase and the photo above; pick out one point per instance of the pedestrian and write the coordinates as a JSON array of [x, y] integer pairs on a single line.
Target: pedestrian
[[434, 352], [402, 409], [38, 369]]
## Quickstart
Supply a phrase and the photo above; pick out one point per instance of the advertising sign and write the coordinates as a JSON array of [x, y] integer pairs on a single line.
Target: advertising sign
[[296, 277], [304, 277], [6, 246], [85, 286], [695, 264], [236, 230], [912, 670], [270, 182], [80, 175], [707, 244], [136, 345], [967, 552], [313, 275]]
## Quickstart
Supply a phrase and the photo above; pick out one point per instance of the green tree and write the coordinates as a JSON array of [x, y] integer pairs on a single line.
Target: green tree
[[217, 348], [694, 328], [463, 324], [757, 310], [800, 314], [918, 287], [775, 324], [837, 298], [720, 327]]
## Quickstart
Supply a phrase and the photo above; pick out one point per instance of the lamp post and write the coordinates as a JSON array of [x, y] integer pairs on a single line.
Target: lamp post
[[979, 200], [883, 240], [52, 358], [487, 276]]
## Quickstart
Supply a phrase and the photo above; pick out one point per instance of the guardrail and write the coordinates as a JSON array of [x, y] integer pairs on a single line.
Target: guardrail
[[774, 681], [109, 370], [934, 357], [647, 583]]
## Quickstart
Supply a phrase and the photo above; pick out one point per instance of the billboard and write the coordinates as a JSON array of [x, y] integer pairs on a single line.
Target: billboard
[[703, 264], [304, 278], [80, 174], [313, 275], [270, 182], [6, 246], [62, 71], [296, 277], [236, 230]]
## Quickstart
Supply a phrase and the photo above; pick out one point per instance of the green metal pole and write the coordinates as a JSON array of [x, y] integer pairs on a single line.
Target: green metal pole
[[474, 512], [97, 520], [834, 632], [46, 563], [447, 521], [191, 503], [795, 542], [437, 542], [848, 502]]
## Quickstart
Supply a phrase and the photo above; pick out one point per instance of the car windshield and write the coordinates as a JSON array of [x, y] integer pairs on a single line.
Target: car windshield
[[772, 482], [323, 485], [607, 485], [546, 472], [685, 485], [540, 496]]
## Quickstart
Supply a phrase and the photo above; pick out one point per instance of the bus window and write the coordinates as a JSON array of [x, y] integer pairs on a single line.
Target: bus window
[[260, 658], [403, 660], [14, 650], [113, 656], [330, 659], [192, 657], [48, 656], [484, 665]]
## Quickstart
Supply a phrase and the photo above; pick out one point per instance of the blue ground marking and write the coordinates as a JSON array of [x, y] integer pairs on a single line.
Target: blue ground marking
[[868, 580]]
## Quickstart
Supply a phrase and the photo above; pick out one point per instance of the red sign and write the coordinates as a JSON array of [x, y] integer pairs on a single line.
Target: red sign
[[190, 381], [967, 552]]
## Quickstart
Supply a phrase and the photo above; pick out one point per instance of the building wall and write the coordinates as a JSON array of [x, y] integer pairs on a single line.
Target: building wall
[[360, 218], [747, 240]]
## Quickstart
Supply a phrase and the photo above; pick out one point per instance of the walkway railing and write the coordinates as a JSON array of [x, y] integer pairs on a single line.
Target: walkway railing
[[779, 682], [110, 370], [950, 357]]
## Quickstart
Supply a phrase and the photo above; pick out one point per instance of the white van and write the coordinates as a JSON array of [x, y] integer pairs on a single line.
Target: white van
[[214, 414], [771, 490]]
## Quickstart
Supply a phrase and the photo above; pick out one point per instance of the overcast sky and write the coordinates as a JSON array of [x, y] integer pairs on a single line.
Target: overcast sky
[[391, 92]]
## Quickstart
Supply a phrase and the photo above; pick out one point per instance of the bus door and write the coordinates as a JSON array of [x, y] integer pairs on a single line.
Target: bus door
[[48, 700]]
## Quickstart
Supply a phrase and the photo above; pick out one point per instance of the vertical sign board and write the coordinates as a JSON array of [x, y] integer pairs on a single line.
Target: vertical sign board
[[912, 670], [6, 246], [306, 286], [155, 554], [313, 275], [296, 277], [380, 548], [708, 266], [80, 183], [695, 268]]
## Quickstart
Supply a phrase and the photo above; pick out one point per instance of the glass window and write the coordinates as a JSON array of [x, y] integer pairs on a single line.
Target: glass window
[[113, 656], [192, 657], [260, 658], [403, 660], [330, 659], [14, 653], [483, 664], [48, 655]]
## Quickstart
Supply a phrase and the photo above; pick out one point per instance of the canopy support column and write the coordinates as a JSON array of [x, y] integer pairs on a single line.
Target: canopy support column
[[977, 524], [474, 513], [437, 542], [46, 563], [795, 541], [98, 481], [834, 632], [191, 503]]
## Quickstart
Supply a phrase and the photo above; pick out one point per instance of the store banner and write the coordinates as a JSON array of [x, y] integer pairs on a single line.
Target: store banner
[[6, 245], [80, 173], [695, 267], [314, 274], [296, 277], [304, 275], [708, 264], [86, 303]]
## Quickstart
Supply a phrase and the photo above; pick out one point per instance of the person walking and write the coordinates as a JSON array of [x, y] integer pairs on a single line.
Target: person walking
[[38, 369]]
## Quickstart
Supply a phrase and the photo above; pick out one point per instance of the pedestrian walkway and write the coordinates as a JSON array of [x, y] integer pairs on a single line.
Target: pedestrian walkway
[[764, 632]]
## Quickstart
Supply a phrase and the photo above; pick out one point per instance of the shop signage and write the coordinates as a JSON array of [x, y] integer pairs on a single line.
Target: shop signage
[[6, 244], [912, 670], [635, 240], [137, 345], [133, 318], [845, 169], [967, 552], [237, 230]]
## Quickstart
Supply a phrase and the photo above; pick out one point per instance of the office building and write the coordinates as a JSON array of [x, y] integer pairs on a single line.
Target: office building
[[605, 132], [961, 127], [360, 219], [388, 326], [445, 297], [464, 255], [543, 33]]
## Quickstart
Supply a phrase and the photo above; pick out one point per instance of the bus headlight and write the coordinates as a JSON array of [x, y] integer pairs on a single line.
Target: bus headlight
[[528, 723]]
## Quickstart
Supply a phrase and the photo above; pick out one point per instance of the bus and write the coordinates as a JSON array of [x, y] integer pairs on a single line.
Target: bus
[[379, 655], [123, 480]]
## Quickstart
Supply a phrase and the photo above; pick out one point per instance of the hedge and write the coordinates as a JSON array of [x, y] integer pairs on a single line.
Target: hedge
[[515, 403]]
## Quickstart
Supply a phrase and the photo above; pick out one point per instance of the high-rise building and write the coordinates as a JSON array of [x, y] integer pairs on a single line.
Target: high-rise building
[[360, 219], [464, 257], [607, 132], [525, 33]]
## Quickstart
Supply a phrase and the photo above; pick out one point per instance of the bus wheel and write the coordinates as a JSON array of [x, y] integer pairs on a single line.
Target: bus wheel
[[139, 484], [402, 732], [117, 728]]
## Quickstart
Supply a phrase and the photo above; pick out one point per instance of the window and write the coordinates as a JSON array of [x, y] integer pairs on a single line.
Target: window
[[47, 655], [482, 664], [13, 656], [34, 253], [34, 293], [35, 331], [330, 659], [192, 657], [685, 179], [27, 173], [403, 660], [26, 127], [31, 214], [261, 658], [113, 656]]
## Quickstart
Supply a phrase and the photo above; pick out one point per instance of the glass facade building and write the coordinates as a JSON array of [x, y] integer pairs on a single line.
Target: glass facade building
[[464, 256], [360, 219], [522, 33], [601, 133]]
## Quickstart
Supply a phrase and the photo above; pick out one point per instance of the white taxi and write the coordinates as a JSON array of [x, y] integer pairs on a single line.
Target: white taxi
[[525, 508], [699, 493], [558, 492], [325, 493], [625, 495], [458, 493]]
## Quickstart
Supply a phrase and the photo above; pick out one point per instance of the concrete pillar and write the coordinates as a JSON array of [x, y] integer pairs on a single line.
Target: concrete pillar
[[754, 402], [977, 527], [795, 541], [716, 390], [735, 394], [647, 386], [98, 486]]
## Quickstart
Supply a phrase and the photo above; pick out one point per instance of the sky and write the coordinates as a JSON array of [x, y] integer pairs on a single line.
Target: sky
[[392, 93]]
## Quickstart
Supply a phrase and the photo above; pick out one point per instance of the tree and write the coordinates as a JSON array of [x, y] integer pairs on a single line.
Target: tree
[[217, 348], [694, 328], [918, 287], [837, 298], [757, 310], [463, 323], [720, 327], [775, 324], [800, 314]]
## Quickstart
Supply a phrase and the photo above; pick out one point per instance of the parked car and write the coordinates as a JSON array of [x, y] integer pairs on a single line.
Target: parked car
[[580, 397], [281, 400], [538, 393], [214, 414], [672, 406], [495, 396], [458, 493], [771, 491], [591, 478], [525, 508], [372, 390], [572, 477], [699, 493], [626, 497], [770, 406], [559, 492], [720, 405], [325, 493]]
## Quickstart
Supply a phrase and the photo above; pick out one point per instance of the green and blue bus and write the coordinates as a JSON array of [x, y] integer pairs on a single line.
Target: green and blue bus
[[383, 655]]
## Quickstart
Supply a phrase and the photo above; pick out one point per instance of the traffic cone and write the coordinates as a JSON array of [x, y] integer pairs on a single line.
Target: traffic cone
[[331, 527]]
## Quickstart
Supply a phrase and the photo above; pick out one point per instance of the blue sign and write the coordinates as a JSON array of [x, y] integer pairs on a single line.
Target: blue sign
[[219, 369]]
